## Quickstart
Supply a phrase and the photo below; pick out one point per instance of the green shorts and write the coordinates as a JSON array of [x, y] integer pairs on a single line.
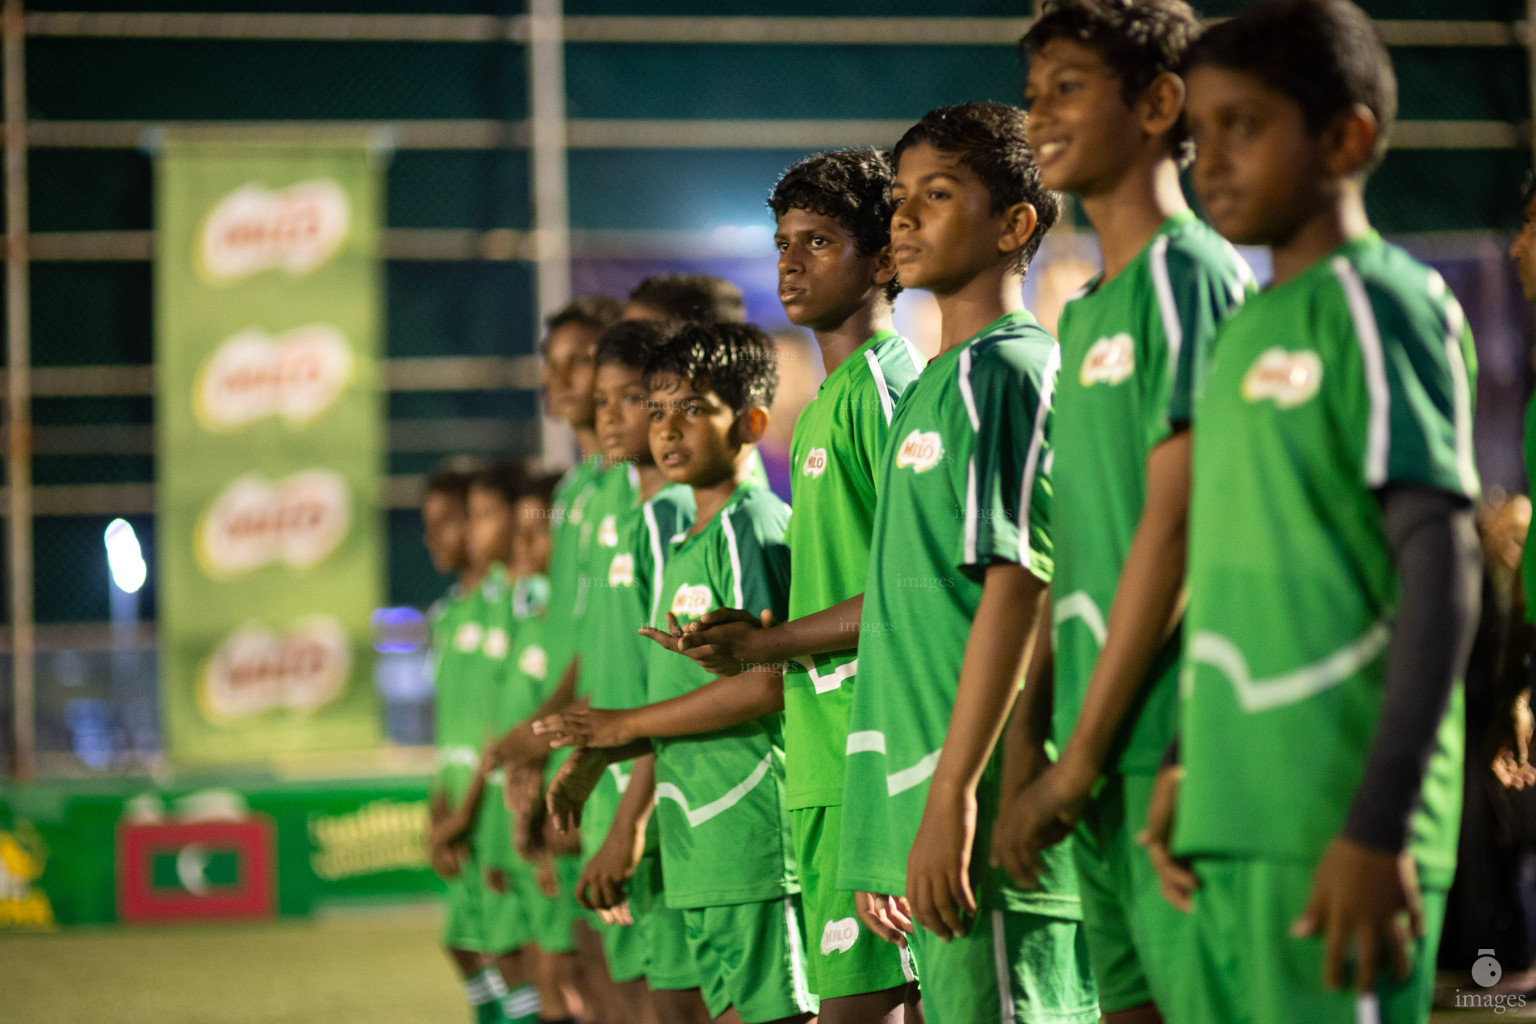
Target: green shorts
[[546, 921], [669, 964], [752, 956], [504, 916], [464, 913], [1247, 969], [1011, 968], [844, 958], [1138, 944]]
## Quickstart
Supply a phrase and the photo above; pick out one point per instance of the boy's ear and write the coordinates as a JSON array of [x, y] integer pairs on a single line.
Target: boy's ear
[[1351, 141], [885, 267], [1019, 222], [752, 424], [1161, 103]]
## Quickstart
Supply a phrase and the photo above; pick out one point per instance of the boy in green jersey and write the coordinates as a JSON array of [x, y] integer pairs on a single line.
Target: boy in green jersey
[[719, 765], [959, 562], [1106, 123], [1332, 555], [445, 521], [837, 278], [628, 546]]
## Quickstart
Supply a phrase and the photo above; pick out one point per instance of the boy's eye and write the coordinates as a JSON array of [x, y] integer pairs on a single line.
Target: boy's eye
[[898, 200], [780, 244], [817, 241], [935, 193]]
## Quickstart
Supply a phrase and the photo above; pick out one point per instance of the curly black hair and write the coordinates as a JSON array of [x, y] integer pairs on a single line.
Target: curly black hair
[[540, 487], [699, 298], [1323, 54], [631, 342], [989, 139], [1137, 39], [736, 361], [851, 186], [505, 479]]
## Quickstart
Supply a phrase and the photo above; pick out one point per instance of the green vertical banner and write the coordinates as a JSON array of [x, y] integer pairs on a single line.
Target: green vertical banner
[[269, 425]]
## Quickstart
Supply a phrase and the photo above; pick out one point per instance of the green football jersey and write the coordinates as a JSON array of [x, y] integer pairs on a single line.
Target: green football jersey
[[567, 514], [1133, 354], [1354, 375], [457, 632], [620, 599], [833, 458], [466, 694], [518, 689], [720, 796], [964, 483]]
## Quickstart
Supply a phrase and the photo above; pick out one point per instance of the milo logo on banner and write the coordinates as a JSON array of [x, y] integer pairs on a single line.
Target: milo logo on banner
[[296, 375], [297, 229], [255, 670], [254, 522]]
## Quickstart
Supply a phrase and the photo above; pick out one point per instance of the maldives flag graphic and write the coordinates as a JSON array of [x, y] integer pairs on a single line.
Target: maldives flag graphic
[[208, 870]]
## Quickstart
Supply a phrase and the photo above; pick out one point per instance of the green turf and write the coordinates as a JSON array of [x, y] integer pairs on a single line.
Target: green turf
[[362, 968]]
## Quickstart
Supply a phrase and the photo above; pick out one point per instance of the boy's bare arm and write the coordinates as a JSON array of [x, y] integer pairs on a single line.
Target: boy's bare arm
[[521, 743], [717, 705], [726, 639]]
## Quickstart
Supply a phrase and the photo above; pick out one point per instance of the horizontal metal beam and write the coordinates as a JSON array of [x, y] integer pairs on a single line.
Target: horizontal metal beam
[[469, 28], [482, 435], [432, 373], [400, 491], [635, 133]]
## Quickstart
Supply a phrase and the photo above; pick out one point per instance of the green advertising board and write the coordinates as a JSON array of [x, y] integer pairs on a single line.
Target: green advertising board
[[268, 418]]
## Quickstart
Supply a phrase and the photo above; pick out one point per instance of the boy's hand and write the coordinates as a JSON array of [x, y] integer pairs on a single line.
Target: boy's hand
[[572, 785], [602, 881], [726, 640], [1178, 881], [938, 868], [668, 639], [1371, 896], [619, 915], [889, 917], [1038, 816], [520, 746], [444, 863], [585, 727]]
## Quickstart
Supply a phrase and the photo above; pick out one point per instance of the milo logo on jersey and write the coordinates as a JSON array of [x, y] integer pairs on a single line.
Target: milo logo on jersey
[[299, 520], [468, 637], [1288, 378], [815, 462], [533, 662], [608, 532], [255, 670], [296, 375], [920, 451], [692, 601], [497, 643], [1109, 361], [621, 571], [253, 228]]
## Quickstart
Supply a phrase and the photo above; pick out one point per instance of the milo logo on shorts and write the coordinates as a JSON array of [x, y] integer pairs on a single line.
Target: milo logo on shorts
[[839, 936]]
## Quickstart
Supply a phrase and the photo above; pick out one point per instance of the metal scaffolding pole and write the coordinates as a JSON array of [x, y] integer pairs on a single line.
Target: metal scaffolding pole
[[551, 203], [18, 393]]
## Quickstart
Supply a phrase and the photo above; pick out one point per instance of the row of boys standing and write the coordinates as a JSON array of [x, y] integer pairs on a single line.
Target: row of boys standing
[[882, 717]]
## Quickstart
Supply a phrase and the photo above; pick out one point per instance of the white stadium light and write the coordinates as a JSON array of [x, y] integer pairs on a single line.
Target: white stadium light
[[125, 557]]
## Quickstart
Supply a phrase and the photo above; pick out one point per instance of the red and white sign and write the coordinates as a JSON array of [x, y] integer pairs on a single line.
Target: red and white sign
[[297, 229], [253, 522], [255, 670], [297, 375]]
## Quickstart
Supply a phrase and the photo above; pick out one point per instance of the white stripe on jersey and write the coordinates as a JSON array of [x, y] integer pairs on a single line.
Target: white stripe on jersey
[[732, 797], [730, 545], [656, 561], [1036, 442], [917, 357], [1378, 434], [869, 741], [972, 513], [1461, 393], [965, 387], [880, 386], [900, 782], [1173, 331]]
